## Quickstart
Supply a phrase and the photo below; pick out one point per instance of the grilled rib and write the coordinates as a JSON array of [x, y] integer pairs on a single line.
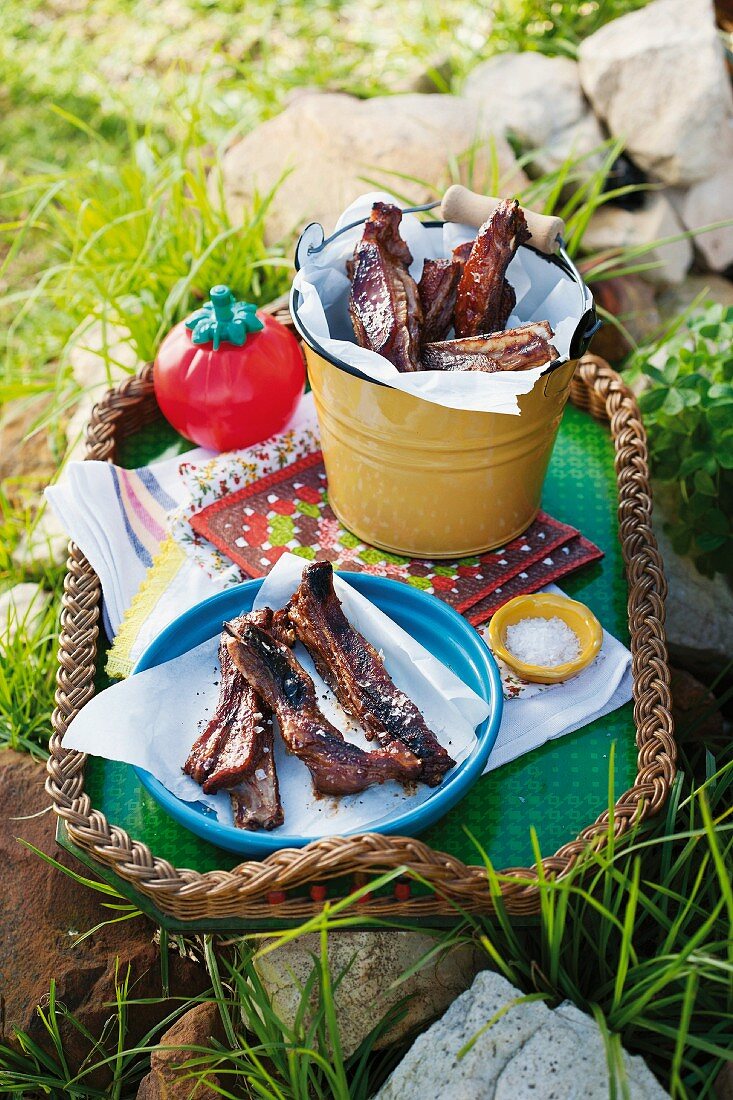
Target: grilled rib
[[256, 798], [485, 298], [356, 673], [227, 748], [337, 766], [437, 289], [513, 349], [384, 304], [235, 751]]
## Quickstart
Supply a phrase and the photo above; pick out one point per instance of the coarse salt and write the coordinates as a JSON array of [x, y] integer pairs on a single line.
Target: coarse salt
[[545, 642]]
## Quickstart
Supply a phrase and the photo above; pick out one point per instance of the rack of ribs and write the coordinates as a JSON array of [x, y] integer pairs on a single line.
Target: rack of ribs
[[337, 766], [356, 673], [384, 303], [513, 349], [485, 298]]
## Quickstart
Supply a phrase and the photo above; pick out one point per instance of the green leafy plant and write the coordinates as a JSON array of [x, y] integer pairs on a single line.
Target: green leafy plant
[[688, 411]]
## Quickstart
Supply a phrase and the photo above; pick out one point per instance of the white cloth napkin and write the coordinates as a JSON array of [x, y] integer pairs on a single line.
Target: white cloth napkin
[[118, 517]]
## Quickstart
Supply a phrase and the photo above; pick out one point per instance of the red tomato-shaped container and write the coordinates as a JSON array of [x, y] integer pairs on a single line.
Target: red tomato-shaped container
[[228, 377]]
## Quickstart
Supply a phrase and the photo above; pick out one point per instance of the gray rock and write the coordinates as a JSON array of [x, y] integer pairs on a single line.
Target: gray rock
[[674, 300], [706, 203], [699, 609], [613, 228], [657, 78], [538, 100], [335, 147], [528, 1051], [22, 608], [372, 961], [46, 543]]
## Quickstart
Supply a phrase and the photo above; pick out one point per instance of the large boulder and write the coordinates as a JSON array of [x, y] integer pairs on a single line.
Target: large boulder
[[612, 228], [366, 964], [521, 1051], [699, 609], [334, 147], [539, 100], [169, 1077], [657, 77], [42, 913], [674, 300], [707, 203]]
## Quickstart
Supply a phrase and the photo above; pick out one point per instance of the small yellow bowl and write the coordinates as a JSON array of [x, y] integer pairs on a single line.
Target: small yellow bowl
[[578, 617]]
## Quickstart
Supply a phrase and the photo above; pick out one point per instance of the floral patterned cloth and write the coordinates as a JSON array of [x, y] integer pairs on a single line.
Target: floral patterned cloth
[[288, 512]]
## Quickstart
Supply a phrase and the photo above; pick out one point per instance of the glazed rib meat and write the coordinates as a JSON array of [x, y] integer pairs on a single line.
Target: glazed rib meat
[[227, 748], [437, 289], [337, 766], [485, 298], [235, 751], [514, 349], [384, 304], [256, 798], [356, 673]]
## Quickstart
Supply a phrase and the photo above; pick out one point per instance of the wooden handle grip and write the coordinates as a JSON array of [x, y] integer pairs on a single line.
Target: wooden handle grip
[[467, 208]]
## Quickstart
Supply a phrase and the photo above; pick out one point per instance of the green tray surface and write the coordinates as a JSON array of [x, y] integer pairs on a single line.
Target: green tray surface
[[557, 789]]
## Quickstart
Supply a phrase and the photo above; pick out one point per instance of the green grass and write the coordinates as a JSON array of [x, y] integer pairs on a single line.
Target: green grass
[[638, 935], [112, 120]]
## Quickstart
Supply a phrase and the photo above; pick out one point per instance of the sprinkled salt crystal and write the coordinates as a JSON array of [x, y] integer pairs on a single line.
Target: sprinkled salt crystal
[[545, 642], [261, 773]]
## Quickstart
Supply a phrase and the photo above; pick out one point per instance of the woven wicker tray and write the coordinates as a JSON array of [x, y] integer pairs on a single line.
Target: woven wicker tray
[[273, 888]]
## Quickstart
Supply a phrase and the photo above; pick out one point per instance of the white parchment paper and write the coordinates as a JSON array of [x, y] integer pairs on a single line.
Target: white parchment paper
[[151, 719], [544, 293]]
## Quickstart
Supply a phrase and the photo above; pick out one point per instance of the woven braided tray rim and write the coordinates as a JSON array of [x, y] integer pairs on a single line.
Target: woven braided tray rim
[[243, 892]]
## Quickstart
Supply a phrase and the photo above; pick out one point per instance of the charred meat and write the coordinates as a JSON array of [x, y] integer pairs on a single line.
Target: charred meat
[[437, 289], [235, 751], [356, 673], [256, 798], [514, 349], [337, 766], [384, 303], [485, 298], [228, 746]]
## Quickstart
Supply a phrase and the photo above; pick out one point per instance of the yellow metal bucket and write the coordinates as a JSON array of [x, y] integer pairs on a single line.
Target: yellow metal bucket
[[416, 478], [419, 479]]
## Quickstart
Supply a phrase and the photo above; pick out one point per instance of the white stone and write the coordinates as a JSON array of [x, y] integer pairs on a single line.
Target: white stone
[[45, 544], [22, 608], [611, 228], [372, 961], [539, 100], [657, 78], [336, 147], [705, 203], [527, 1052], [699, 610], [101, 354]]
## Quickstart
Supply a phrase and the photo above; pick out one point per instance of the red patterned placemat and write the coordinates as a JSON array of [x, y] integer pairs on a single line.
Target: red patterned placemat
[[578, 551], [289, 511]]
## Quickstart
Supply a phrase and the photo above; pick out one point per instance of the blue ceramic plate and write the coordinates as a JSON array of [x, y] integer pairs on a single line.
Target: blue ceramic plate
[[434, 624]]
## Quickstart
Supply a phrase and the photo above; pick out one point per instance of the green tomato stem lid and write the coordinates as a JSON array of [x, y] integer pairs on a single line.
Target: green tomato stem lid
[[223, 318]]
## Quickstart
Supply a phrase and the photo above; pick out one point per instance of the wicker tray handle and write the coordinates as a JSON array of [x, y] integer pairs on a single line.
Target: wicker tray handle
[[242, 892]]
